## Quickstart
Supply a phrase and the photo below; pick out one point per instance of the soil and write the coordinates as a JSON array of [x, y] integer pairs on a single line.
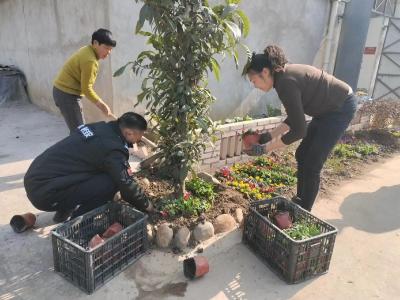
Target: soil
[[227, 200], [388, 145], [379, 136], [353, 168]]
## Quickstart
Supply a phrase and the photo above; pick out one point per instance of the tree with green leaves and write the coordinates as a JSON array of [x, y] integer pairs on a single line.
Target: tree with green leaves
[[186, 37]]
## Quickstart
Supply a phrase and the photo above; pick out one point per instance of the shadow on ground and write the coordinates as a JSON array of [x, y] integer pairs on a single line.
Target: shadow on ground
[[376, 212], [26, 272]]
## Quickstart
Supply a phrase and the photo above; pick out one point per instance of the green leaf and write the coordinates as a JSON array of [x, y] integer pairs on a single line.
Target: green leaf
[[141, 96], [215, 68], [145, 54], [233, 1], [236, 59], [121, 69], [144, 83], [228, 9], [247, 49], [218, 9], [248, 55], [234, 28], [245, 22], [146, 13], [144, 33]]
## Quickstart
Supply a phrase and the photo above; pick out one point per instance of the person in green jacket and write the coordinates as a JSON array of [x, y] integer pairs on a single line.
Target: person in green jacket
[[77, 77]]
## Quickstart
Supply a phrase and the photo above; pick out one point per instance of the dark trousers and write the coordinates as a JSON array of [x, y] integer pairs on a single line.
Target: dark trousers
[[70, 107], [322, 134], [88, 194]]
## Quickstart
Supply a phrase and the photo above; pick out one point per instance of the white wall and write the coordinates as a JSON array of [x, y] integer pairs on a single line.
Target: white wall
[[123, 17], [297, 26], [38, 36]]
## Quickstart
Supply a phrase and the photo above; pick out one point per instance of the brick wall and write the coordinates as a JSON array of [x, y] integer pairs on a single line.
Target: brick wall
[[227, 149]]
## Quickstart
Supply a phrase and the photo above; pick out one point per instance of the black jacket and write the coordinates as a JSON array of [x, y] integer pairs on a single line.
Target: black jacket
[[91, 149]]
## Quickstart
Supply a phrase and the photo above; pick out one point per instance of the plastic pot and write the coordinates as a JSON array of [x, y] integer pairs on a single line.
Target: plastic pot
[[250, 140], [95, 241], [195, 267], [283, 220], [112, 230], [20, 223]]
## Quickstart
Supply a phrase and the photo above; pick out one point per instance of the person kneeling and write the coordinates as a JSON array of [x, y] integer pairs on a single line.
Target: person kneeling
[[86, 169]]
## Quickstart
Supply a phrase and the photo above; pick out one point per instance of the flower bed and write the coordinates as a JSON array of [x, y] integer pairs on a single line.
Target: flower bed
[[199, 198], [259, 179]]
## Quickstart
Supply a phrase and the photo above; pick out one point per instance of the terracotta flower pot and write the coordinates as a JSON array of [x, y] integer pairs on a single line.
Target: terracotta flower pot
[[283, 220], [95, 241], [195, 267], [250, 140], [20, 223], [112, 230]]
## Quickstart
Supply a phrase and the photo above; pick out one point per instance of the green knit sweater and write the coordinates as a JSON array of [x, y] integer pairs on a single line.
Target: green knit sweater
[[79, 73]]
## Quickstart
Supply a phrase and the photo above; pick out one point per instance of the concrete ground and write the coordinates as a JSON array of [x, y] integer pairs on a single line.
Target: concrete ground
[[365, 263]]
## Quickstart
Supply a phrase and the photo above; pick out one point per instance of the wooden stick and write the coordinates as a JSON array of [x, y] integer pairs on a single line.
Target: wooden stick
[[148, 142], [148, 161]]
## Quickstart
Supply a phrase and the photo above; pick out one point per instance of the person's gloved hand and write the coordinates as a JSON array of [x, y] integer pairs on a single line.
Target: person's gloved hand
[[265, 138], [256, 150]]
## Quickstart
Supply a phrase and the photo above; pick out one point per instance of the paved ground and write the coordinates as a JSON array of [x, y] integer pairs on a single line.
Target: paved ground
[[365, 263]]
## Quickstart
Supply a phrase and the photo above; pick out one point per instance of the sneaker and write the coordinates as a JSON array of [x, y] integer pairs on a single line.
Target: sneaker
[[62, 215]]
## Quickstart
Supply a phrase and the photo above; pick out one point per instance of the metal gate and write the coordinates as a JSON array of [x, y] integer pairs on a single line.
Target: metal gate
[[387, 82]]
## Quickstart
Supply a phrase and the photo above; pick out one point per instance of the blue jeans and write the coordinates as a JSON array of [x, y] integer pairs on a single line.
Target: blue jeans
[[323, 132]]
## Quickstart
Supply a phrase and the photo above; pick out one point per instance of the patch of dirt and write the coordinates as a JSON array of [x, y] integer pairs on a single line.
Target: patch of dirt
[[388, 144], [159, 188], [226, 201], [350, 168], [379, 136]]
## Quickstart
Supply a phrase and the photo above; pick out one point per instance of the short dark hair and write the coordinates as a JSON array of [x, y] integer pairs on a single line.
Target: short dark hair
[[273, 58], [103, 36], [132, 120]]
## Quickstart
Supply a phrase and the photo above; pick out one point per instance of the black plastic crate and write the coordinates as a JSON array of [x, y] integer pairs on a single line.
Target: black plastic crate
[[293, 260], [88, 268]]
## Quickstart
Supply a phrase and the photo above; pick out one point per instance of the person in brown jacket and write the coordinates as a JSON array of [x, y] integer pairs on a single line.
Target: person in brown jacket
[[303, 89]]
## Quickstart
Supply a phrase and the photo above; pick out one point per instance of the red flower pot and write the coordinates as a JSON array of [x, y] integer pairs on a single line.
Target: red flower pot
[[95, 241], [112, 230], [195, 267], [283, 220], [250, 140], [20, 223]]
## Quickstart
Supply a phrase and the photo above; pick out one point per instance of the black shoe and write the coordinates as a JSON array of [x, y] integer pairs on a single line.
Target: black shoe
[[62, 215], [296, 200]]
